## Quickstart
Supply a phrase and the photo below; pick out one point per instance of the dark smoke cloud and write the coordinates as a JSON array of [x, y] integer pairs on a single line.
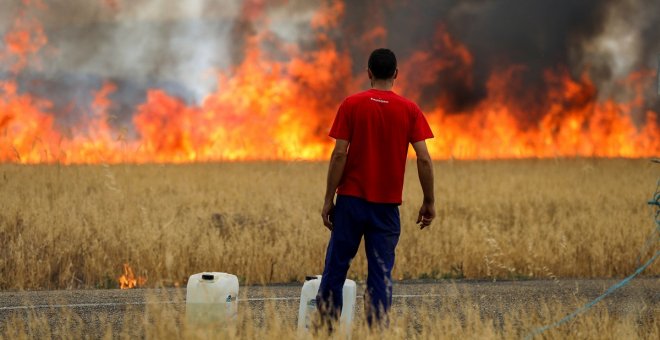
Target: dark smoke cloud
[[540, 35], [609, 39]]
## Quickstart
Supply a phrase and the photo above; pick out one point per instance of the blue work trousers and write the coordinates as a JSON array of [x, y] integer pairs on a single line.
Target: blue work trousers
[[380, 225]]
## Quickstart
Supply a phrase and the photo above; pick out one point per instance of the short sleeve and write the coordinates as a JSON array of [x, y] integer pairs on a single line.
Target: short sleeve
[[342, 127], [420, 127]]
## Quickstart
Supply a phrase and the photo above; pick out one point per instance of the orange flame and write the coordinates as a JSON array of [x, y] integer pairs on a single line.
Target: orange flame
[[23, 42], [128, 279], [575, 124], [267, 108]]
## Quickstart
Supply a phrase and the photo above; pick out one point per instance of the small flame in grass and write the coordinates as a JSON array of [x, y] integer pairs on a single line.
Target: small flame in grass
[[128, 279]]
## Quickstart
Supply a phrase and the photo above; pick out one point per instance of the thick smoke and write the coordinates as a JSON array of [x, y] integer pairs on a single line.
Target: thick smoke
[[178, 45], [607, 39], [174, 45]]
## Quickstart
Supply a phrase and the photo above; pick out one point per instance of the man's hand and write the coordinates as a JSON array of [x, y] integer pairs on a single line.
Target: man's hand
[[335, 172], [327, 210], [426, 215], [425, 172]]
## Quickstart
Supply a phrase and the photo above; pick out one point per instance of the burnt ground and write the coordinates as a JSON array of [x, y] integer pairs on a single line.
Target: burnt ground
[[88, 309]]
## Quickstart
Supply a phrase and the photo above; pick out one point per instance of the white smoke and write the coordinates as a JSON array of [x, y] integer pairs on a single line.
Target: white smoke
[[183, 43], [621, 46]]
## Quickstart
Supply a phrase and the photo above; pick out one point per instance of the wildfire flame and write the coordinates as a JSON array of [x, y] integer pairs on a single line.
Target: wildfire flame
[[128, 279], [265, 108]]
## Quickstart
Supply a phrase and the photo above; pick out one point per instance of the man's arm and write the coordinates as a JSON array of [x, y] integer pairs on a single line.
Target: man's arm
[[425, 172], [335, 172]]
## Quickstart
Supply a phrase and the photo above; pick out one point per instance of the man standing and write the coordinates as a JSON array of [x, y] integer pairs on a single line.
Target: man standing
[[372, 130]]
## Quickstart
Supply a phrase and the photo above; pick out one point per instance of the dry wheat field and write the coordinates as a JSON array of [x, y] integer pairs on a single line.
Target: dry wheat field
[[67, 227]]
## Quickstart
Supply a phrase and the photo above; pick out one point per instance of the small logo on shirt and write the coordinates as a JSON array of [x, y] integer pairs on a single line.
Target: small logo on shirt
[[379, 100]]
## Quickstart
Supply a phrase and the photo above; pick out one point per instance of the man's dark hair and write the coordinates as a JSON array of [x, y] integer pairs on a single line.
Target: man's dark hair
[[382, 63]]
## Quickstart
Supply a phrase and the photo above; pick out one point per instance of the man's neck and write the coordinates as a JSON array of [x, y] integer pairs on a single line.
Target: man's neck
[[383, 85]]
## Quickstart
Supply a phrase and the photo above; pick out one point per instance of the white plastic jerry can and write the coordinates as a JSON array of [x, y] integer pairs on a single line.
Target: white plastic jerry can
[[308, 308], [211, 298]]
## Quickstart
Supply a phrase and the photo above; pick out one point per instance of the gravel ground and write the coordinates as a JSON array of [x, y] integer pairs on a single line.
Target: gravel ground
[[492, 298]]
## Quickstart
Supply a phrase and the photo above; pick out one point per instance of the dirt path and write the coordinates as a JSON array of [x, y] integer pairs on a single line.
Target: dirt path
[[493, 299]]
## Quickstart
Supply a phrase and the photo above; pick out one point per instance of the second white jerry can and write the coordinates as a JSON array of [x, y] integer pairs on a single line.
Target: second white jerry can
[[308, 309]]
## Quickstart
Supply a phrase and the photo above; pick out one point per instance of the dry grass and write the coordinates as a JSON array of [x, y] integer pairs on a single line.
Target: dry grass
[[453, 318], [74, 226]]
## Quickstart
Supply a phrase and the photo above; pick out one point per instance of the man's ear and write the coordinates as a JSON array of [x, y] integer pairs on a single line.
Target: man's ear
[[396, 73], [371, 75]]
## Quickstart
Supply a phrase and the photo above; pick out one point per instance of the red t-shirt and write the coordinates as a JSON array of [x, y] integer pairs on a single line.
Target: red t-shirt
[[379, 126]]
